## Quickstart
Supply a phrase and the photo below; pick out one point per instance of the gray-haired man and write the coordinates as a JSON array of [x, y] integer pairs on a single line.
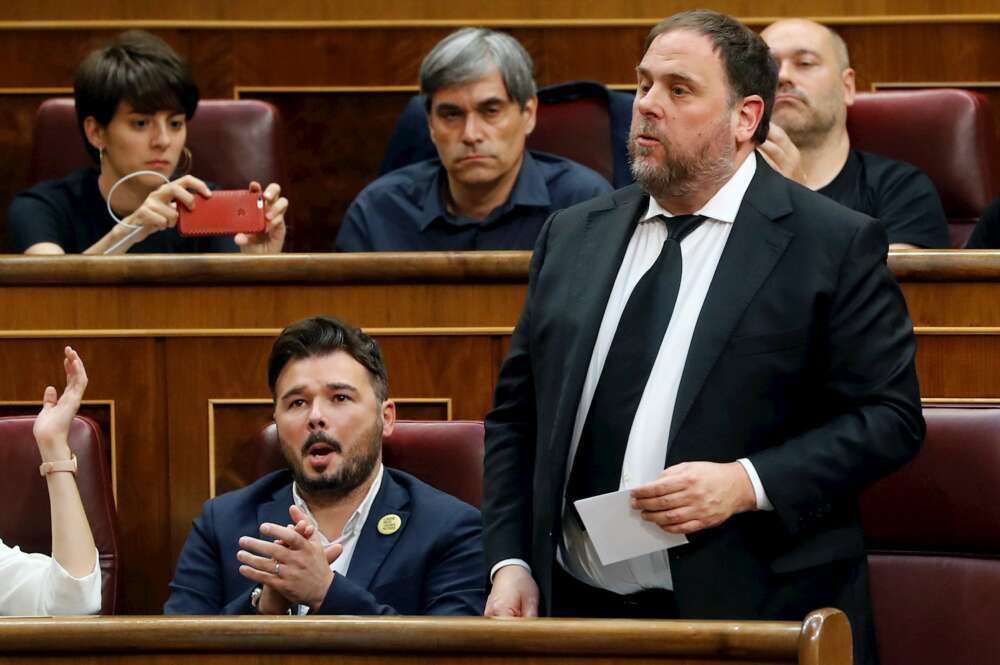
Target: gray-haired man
[[485, 191]]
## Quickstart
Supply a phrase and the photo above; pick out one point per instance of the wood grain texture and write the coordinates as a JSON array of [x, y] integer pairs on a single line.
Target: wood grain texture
[[232, 426], [443, 10], [208, 270], [820, 640]]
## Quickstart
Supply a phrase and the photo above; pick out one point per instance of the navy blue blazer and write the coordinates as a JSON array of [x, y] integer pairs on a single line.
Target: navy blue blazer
[[432, 565]]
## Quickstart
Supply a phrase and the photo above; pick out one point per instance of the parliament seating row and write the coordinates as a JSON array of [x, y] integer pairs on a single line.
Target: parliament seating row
[[932, 528], [946, 132]]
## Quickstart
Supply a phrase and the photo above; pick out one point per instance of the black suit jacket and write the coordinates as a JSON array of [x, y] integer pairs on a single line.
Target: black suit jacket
[[431, 565], [801, 360]]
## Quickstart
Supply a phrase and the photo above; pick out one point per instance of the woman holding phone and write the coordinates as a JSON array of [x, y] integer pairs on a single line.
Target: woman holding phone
[[134, 99]]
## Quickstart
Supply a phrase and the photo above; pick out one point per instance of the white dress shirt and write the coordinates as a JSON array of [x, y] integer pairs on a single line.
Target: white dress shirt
[[348, 537], [36, 585], [646, 451], [648, 438]]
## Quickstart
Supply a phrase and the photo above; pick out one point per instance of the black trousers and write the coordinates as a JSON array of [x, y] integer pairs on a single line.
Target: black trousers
[[572, 598]]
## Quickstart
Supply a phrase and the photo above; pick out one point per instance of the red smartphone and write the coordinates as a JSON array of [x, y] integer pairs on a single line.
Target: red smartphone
[[228, 212]]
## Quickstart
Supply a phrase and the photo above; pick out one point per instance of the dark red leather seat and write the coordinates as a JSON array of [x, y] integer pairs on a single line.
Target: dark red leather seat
[[948, 133], [232, 141], [24, 520], [933, 532], [445, 454]]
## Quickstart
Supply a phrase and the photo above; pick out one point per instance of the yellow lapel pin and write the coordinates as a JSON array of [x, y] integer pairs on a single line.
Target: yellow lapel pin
[[389, 524]]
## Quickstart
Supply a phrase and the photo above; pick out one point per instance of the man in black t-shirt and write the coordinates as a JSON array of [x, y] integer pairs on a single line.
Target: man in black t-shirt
[[808, 141]]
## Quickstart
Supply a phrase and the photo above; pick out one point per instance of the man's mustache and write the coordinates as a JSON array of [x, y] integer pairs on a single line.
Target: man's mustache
[[320, 437], [794, 92], [646, 128]]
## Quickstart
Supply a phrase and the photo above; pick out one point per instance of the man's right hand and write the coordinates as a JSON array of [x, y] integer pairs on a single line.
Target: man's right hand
[[514, 594], [783, 155]]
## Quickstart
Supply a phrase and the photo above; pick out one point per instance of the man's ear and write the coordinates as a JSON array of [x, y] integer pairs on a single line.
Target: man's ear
[[749, 114], [530, 112], [848, 79], [388, 417], [96, 134]]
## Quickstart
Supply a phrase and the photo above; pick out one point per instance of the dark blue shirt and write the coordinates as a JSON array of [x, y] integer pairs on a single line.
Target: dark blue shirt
[[404, 210]]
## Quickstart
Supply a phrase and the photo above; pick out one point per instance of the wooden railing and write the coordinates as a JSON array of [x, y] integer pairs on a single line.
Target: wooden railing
[[823, 638]]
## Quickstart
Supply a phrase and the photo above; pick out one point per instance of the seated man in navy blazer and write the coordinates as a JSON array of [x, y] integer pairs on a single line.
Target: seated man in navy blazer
[[360, 538]]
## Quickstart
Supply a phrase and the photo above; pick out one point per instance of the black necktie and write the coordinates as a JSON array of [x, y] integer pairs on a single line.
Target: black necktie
[[597, 466]]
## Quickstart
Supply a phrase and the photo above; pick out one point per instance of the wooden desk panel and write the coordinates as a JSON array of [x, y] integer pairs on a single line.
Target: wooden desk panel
[[166, 338], [823, 638]]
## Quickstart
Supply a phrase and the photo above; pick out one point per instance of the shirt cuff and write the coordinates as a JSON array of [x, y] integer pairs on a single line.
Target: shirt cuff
[[508, 562], [763, 503]]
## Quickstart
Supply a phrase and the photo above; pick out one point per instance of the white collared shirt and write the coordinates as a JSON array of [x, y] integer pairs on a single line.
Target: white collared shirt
[[647, 443], [348, 537]]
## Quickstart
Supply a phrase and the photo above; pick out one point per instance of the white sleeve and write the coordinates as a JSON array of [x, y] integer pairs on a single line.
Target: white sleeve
[[508, 562], [763, 503], [36, 585]]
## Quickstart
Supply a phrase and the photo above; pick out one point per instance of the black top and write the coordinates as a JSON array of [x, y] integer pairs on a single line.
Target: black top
[[72, 214], [403, 210], [986, 235], [898, 194]]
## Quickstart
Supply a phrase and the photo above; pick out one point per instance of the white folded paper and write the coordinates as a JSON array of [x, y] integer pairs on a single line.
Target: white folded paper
[[618, 530]]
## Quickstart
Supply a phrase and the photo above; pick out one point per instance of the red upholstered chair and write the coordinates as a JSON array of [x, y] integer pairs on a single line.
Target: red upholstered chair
[[233, 142], [948, 133], [446, 454], [933, 532], [24, 520]]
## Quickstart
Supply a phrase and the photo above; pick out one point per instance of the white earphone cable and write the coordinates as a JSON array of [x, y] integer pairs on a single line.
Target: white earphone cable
[[135, 227]]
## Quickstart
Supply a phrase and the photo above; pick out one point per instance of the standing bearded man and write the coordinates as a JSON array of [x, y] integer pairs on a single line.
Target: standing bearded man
[[724, 343]]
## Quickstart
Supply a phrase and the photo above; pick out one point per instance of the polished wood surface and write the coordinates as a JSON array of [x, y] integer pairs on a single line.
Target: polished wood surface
[[208, 269], [176, 349], [443, 10], [341, 86], [823, 638]]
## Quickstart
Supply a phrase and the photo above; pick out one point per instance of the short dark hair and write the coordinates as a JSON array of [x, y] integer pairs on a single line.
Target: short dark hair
[[748, 63], [320, 336], [135, 67]]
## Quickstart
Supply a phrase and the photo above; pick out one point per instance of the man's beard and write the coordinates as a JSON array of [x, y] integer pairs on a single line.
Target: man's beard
[[681, 175], [807, 128], [353, 470]]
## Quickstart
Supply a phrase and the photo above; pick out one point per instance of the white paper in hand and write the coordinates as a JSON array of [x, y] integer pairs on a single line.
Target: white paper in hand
[[618, 530]]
